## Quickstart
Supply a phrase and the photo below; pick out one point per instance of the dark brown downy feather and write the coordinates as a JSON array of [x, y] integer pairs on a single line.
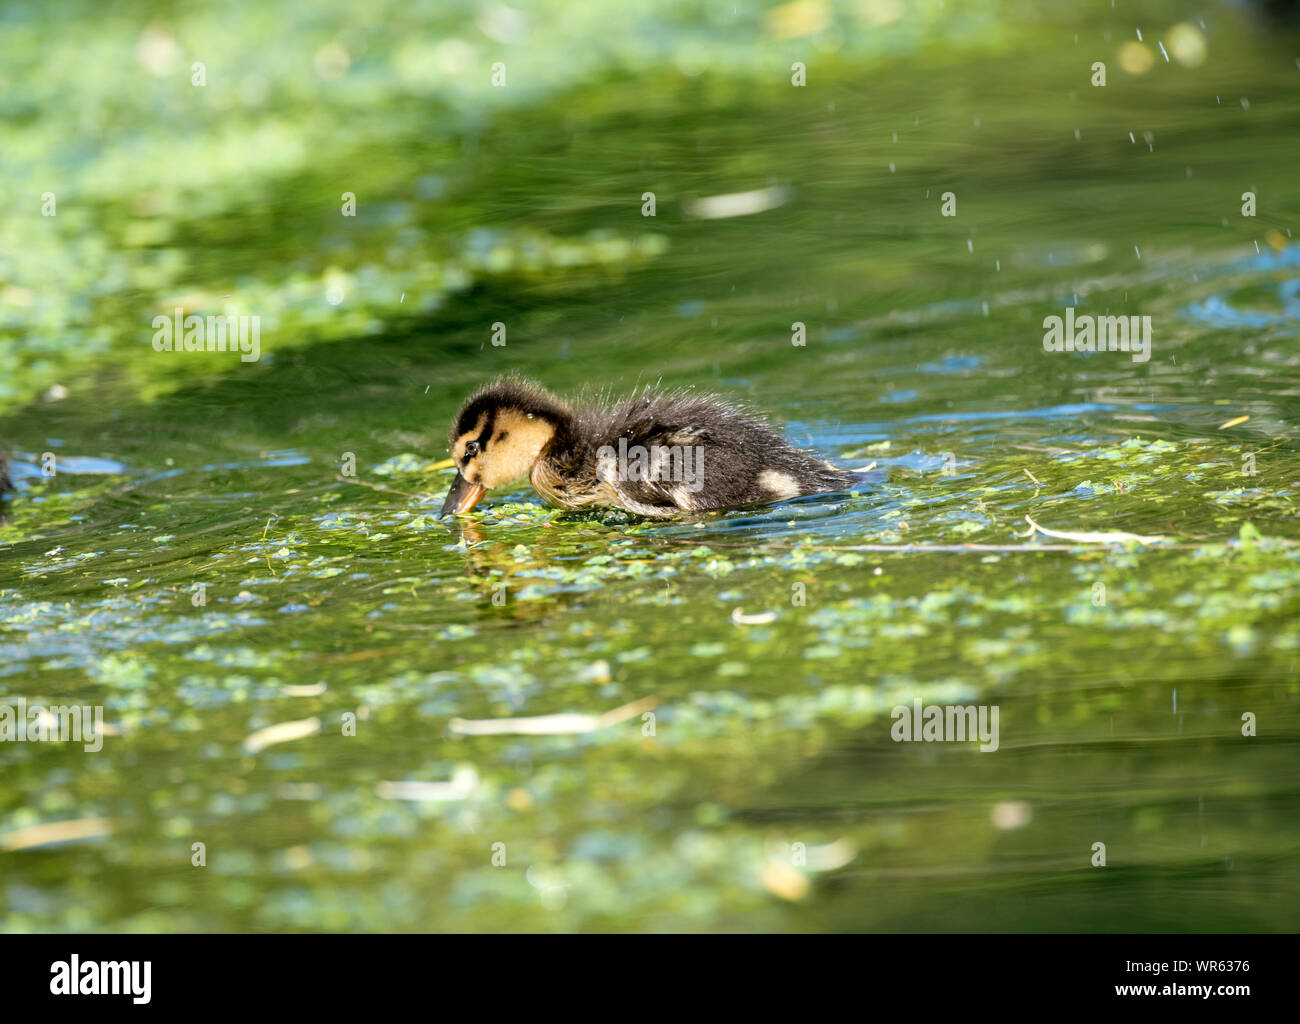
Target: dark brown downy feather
[[745, 461]]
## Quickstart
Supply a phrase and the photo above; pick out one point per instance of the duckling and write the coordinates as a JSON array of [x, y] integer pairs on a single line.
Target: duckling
[[656, 454]]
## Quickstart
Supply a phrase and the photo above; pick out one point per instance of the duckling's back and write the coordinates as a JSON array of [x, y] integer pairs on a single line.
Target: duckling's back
[[668, 453]]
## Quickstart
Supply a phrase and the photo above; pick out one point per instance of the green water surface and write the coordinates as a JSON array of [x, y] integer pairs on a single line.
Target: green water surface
[[201, 566]]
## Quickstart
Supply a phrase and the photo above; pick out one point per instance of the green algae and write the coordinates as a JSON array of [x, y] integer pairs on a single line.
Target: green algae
[[228, 576]]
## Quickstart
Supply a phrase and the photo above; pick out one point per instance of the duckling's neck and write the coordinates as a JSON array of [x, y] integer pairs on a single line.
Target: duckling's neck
[[563, 471], [565, 436]]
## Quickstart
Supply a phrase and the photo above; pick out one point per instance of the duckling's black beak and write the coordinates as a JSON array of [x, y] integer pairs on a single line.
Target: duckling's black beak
[[462, 497]]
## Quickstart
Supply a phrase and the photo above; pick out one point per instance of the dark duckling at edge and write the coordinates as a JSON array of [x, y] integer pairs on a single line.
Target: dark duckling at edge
[[655, 454]]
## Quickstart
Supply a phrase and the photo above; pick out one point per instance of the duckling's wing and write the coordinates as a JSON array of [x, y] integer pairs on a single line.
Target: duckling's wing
[[698, 451], [662, 441], [735, 458]]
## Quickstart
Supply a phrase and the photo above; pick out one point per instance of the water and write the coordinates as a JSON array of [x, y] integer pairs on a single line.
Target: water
[[202, 568]]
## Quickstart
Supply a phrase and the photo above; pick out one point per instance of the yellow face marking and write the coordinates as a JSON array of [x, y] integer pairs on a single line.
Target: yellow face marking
[[510, 453], [515, 445], [458, 450]]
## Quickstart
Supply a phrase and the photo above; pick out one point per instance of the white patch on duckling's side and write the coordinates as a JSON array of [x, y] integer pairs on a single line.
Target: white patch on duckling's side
[[778, 484]]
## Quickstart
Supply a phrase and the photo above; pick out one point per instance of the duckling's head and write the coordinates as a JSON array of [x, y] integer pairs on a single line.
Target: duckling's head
[[498, 436]]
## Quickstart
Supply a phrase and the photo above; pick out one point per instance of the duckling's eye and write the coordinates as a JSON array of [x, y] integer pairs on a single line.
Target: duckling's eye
[[472, 449]]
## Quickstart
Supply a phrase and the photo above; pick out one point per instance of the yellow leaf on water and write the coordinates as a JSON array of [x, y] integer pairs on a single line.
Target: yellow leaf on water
[[314, 690], [282, 732], [549, 725], [737, 204], [1011, 814], [1111, 537], [55, 832], [783, 880], [464, 781], [796, 19], [831, 856]]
